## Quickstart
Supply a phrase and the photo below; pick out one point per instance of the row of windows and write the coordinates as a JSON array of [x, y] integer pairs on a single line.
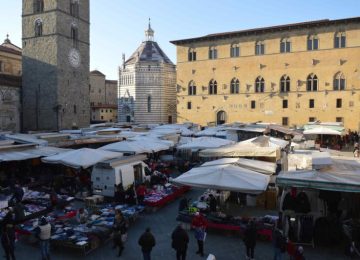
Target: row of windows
[[74, 32], [312, 84], [285, 104], [285, 46], [286, 121], [38, 7]]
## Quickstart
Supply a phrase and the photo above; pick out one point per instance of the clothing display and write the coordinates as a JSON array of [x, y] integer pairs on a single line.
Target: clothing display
[[161, 195]]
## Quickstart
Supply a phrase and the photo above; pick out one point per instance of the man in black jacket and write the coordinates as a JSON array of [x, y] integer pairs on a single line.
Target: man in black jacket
[[180, 240], [147, 242]]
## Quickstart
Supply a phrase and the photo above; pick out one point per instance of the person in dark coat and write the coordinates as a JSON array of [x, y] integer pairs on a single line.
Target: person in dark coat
[[183, 204], [119, 231], [213, 203], [180, 240], [119, 195], [147, 242], [250, 239], [8, 236]]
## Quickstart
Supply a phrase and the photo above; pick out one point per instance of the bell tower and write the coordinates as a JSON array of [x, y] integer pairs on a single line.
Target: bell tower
[[55, 41]]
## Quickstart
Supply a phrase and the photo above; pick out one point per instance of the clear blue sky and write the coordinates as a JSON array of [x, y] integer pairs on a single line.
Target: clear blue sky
[[117, 26]]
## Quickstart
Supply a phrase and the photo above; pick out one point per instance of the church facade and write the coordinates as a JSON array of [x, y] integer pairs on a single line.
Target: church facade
[[55, 64], [147, 85]]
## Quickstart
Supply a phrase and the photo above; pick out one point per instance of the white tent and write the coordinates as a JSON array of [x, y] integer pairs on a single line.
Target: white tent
[[266, 141], [211, 131], [126, 147], [254, 165], [84, 157], [342, 175], [226, 177], [321, 130], [26, 153], [204, 143], [153, 139]]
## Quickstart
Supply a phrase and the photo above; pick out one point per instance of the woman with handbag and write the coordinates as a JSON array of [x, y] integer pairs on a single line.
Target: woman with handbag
[[199, 223]]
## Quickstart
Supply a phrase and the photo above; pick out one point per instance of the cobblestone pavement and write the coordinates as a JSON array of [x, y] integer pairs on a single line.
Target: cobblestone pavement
[[223, 246]]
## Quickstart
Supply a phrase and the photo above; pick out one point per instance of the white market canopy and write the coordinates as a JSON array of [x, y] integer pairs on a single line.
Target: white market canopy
[[262, 146], [211, 131], [26, 153], [343, 175], [205, 143], [153, 139], [84, 157], [144, 145], [321, 130], [254, 165], [226, 177]]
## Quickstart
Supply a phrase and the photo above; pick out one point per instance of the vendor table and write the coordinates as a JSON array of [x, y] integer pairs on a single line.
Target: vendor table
[[177, 192]]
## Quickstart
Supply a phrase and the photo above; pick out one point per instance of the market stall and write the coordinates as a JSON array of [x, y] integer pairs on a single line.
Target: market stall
[[159, 197]]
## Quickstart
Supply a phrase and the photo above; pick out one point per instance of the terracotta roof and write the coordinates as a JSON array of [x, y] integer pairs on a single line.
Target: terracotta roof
[[277, 28], [9, 50], [96, 72], [10, 80]]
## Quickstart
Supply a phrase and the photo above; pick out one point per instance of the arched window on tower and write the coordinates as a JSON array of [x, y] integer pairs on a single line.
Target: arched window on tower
[[259, 84], [75, 36], [38, 6], [234, 50], [312, 43], [339, 81], [192, 88], [149, 104], [234, 86], [213, 87], [38, 28], [340, 40], [74, 8], [284, 84], [259, 48], [312, 83], [212, 53], [285, 45]]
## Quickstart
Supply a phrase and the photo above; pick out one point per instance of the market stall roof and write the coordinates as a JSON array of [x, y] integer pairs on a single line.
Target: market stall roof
[[282, 129], [226, 177], [321, 130], [261, 146], [81, 158], [28, 152], [302, 159], [149, 139], [343, 175], [126, 147], [26, 139], [254, 165], [211, 131], [205, 142]]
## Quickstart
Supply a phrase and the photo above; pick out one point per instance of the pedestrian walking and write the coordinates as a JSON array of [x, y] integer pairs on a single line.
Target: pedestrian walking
[[147, 242], [199, 223], [280, 243], [250, 239], [119, 231], [8, 236], [43, 232], [180, 240]]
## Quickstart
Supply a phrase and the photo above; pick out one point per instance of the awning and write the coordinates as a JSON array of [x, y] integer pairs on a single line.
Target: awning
[[226, 177], [20, 154], [84, 157], [204, 143], [322, 131]]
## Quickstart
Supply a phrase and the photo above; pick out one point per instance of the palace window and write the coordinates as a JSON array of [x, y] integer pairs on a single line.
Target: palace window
[[212, 53], [285, 45], [189, 105], [75, 110], [149, 104], [312, 43], [38, 6], [38, 28], [259, 84], [285, 121], [312, 83], [234, 86], [192, 88], [339, 81], [253, 104], [312, 119], [213, 87], [340, 40], [192, 54], [74, 36], [234, 50], [259, 48], [311, 103], [339, 120], [338, 103], [284, 84], [74, 8], [285, 103]]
